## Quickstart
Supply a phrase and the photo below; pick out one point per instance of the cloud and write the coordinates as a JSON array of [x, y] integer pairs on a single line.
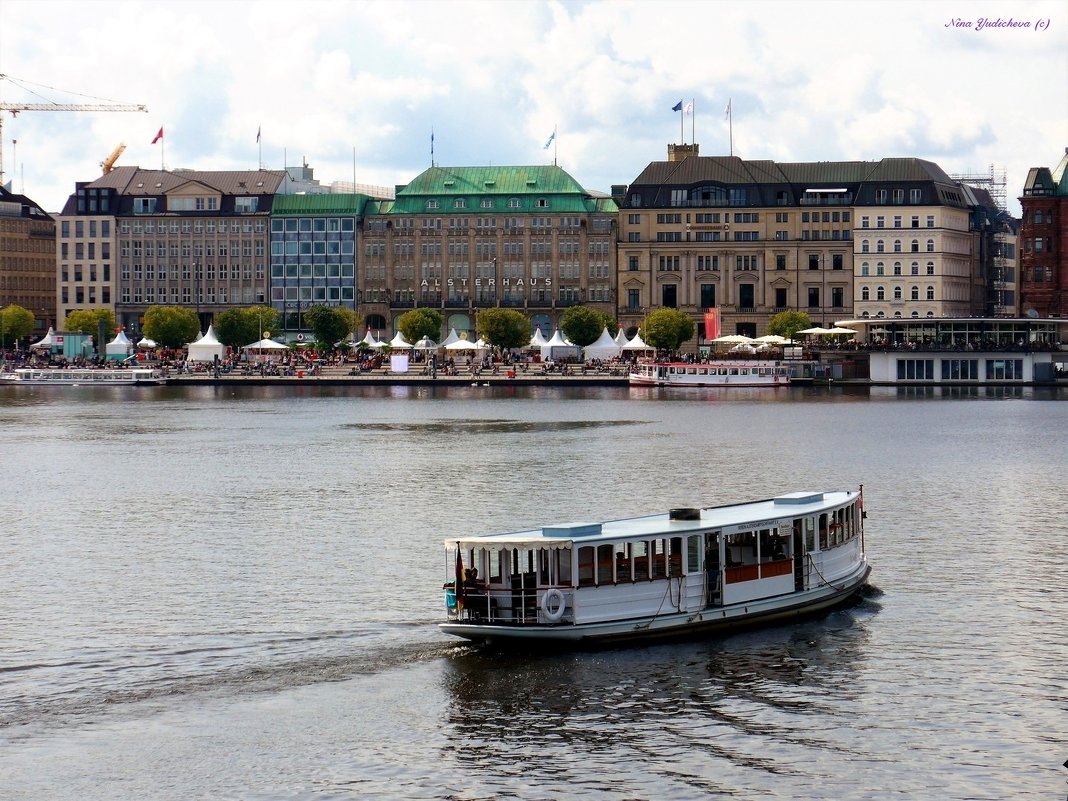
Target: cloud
[[822, 81]]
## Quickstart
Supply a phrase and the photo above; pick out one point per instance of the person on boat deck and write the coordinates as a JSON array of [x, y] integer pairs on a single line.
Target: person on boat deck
[[471, 579]]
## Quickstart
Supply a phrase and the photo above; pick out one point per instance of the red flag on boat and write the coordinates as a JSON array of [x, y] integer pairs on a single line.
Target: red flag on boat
[[459, 578]]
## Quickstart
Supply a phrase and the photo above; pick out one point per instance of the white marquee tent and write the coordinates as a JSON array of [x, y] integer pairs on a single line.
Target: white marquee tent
[[119, 348], [558, 347], [604, 348], [206, 348]]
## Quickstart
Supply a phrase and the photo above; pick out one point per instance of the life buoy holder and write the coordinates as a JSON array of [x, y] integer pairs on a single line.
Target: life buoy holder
[[552, 604]]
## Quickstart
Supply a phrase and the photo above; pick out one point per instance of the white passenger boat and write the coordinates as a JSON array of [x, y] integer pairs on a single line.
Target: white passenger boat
[[64, 376], [681, 573], [726, 373]]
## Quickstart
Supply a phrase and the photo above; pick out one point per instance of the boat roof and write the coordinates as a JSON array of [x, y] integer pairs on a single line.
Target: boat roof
[[732, 517]]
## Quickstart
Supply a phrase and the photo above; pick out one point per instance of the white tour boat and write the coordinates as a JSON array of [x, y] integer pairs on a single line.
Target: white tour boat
[[725, 373], [681, 573], [83, 376]]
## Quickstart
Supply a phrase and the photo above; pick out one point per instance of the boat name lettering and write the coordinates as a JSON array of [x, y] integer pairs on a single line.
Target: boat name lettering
[[756, 524]]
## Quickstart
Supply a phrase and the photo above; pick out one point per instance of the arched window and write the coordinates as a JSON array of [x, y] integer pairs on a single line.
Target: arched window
[[864, 246], [880, 293], [897, 246], [879, 246], [864, 293], [915, 293], [897, 268], [930, 293], [915, 245], [864, 268], [897, 293], [915, 268], [879, 269], [930, 246], [930, 268]]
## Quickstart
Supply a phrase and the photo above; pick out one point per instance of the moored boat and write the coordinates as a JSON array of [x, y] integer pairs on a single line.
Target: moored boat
[[723, 373], [74, 376], [679, 573]]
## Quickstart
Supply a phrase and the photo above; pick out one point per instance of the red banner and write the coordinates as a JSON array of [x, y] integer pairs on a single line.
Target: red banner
[[711, 324]]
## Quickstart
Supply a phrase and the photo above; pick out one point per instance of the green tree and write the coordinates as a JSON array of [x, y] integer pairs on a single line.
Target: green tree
[[15, 323], [171, 326], [419, 323], [328, 324], [503, 328], [243, 325], [666, 329], [788, 323], [582, 325], [86, 321]]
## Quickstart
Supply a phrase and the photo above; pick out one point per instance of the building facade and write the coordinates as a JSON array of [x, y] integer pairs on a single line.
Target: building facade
[[461, 239], [181, 237], [754, 238], [1043, 240], [27, 258]]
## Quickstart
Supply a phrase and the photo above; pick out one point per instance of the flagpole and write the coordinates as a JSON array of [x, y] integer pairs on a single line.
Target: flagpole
[[162, 154], [554, 144], [431, 145], [730, 125], [259, 146], [682, 122], [693, 121]]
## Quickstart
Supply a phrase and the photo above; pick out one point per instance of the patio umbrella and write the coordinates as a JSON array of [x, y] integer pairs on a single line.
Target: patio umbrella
[[816, 331], [734, 339], [771, 339], [839, 330]]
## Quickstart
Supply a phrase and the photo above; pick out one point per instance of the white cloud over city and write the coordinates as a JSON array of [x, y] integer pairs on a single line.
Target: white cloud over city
[[818, 81]]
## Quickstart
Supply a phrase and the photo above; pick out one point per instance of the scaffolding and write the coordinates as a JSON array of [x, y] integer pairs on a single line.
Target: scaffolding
[[994, 183]]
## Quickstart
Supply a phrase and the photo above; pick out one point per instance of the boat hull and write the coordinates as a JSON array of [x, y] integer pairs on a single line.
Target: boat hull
[[710, 374], [713, 620]]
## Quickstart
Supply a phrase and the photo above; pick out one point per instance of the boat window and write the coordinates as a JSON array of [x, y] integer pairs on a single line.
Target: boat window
[[544, 577], [640, 551], [810, 534], [693, 554], [659, 556], [622, 564], [562, 557], [495, 560], [604, 564], [675, 556], [823, 532], [585, 566]]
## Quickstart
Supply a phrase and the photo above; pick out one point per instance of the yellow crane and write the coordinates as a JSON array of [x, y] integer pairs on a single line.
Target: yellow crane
[[16, 108], [108, 164]]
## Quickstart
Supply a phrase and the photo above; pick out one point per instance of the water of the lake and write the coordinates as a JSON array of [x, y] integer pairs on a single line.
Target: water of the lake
[[215, 593]]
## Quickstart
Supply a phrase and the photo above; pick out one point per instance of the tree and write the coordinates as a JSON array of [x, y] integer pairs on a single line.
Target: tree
[[419, 323], [788, 323], [504, 328], [243, 325], [328, 324], [171, 326], [666, 329], [15, 323], [87, 321], [582, 325]]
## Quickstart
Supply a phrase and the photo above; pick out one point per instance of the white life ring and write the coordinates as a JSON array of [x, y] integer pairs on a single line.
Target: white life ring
[[552, 605]]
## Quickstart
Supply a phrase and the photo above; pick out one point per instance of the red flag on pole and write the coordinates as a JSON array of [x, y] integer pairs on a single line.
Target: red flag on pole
[[158, 136], [711, 323]]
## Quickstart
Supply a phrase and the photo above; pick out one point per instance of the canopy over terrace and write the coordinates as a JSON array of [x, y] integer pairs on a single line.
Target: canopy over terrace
[[960, 332]]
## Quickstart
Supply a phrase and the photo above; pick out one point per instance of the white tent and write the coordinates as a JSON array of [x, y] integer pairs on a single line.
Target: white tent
[[146, 344], [604, 348], [620, 338], [637, 343], [265, 344], [426, 343], [461, 344], [452, 337], [47, 341], [369, 341], [206, 348], [538, 340], [119, 348], [399, 342], [558, 347]]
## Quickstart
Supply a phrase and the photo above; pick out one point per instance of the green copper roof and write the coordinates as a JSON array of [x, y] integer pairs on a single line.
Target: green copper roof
[[493, 190], [319, 204]]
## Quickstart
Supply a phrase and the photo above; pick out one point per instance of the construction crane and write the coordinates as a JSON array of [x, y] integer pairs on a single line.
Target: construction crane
[[16, 108], [108, 164]]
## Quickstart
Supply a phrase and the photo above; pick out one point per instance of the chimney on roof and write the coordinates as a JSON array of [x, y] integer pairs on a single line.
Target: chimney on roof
[[682, 152]]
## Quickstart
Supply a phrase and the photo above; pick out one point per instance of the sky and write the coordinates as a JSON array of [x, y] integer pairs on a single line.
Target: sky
[[355, 89]]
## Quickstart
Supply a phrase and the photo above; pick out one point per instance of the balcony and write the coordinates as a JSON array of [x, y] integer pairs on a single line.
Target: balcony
[[457, 303], [513, 303], [402, 303]]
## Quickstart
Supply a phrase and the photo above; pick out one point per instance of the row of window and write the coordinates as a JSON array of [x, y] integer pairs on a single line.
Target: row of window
[[880, 222], [880, 246], [964, 369], [880, 293], [880, 268], [82, 228], [488, 203], [138, 227]]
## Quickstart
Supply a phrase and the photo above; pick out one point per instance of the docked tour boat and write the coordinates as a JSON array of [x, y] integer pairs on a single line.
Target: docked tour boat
[[732, 373], [81, 377], [681, 573]]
